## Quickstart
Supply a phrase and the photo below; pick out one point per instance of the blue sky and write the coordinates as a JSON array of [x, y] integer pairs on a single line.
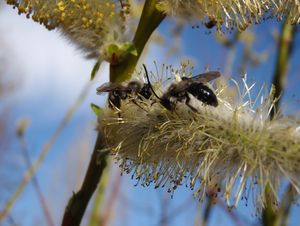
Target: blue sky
[[52, 73]]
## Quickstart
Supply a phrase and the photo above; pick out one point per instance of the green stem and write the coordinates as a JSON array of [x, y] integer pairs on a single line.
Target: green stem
[[207, 210], [269, 213], [149, 21], [96, 218], [285, 47], [284, 210], [79, 201]]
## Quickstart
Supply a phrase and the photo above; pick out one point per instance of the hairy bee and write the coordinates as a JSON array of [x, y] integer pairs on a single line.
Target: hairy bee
[[179, 91], [118, 92]]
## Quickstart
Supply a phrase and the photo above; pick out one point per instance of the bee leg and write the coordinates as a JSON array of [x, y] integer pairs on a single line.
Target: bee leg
[[153, 102], [192, 108], [119, 116], [134, 101], [113, 104], [117, 111], [187, 102], [114, 100]]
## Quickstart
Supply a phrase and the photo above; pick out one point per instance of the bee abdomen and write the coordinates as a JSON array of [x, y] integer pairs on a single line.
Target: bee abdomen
[[203, 93]]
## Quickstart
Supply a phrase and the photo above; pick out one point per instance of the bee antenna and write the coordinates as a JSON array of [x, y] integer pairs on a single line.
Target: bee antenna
[[147, 76]]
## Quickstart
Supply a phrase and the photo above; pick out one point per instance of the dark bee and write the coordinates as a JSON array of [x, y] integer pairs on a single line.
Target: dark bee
[[179, 92], [210, 24], [118, 92]]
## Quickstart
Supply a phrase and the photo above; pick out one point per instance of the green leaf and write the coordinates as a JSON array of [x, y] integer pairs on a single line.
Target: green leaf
[[95, 69], [96, 109], [161, 7], [113, 49], [133, 51], [129, 48]]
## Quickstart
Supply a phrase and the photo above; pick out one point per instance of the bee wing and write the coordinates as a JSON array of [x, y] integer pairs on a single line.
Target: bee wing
[[107, 87], [206, 77]]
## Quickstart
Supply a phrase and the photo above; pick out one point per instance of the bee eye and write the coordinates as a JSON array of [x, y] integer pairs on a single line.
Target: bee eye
[[115, 93], [181, 94], [123, 95], [134, 86], [147, 93]]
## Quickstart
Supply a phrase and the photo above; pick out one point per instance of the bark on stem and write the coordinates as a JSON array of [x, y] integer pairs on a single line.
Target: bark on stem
[[79, 201], [150, 19], [285, 48]]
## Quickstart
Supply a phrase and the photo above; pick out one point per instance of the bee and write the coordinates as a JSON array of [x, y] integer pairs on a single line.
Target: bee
[[118, 92], [179, 92], [210, 23]]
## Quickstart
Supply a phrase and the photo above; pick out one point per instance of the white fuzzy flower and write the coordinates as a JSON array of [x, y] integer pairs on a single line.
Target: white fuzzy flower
[[94, 26], [233, 13], [233, 148]]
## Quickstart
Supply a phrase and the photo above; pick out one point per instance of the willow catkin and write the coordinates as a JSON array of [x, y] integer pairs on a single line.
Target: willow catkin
[[92, 25], [233, 13], [233, 148]]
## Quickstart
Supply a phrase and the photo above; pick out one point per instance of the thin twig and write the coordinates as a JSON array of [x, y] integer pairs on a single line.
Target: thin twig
[[284, 209], [165, 203], [285, 47], [35, 182], [178, 210], [207, 210], [116, 185], [232, 216], [11, 220], [95, 218], [79, 201], [45, 149]]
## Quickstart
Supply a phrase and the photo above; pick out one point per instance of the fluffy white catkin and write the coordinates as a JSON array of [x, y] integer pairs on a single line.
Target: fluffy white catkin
[[92, 25], [233, 13], [234, 148]]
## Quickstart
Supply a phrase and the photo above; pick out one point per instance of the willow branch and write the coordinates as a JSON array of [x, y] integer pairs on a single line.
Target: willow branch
[[285, 47], [288, 199], [79, 201], [150, 19], [96, 218]]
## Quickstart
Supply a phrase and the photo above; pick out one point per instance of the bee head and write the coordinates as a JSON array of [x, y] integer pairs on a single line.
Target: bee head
[[134, 86], [146, 91]]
